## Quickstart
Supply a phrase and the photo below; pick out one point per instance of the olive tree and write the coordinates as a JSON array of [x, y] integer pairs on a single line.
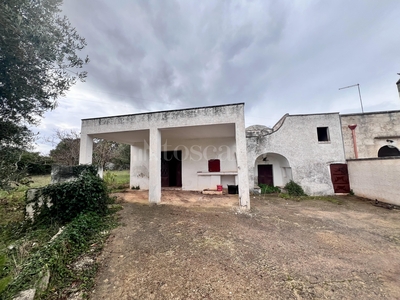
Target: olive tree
[[39, 62]]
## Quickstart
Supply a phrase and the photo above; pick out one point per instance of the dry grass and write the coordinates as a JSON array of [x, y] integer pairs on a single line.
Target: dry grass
[[12, 203]]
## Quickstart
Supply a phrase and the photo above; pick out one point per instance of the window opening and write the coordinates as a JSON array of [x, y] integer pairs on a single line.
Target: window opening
[[388, 151], [323, 134]]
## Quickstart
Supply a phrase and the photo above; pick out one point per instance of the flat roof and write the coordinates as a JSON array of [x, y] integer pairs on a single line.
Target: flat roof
[[166, 111], [313, 114], [372, 113]]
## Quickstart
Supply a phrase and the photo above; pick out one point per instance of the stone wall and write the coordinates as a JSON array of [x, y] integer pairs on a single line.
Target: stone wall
[[60, 174], [373, 131]]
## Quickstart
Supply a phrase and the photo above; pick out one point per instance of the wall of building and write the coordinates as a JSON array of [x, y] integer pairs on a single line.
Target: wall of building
[[376, 178], [195, 156], [372, 132], [280, 168], [295, 138]]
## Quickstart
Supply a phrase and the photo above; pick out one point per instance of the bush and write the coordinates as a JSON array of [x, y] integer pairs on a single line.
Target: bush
[[269, 189], [34, 163], [109, 178], [69, 199], [84, 234], [294, 189]]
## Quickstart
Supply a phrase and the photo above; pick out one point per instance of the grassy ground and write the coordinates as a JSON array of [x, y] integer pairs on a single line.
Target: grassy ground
[[12, 203], [122, 177], [117, 180], [25, 249]]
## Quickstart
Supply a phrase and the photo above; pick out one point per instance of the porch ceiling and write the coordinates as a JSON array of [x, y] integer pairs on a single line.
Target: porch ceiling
[[188, 132]]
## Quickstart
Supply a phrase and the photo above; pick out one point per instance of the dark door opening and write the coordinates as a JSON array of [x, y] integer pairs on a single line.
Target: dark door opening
[[171, 169], [388, 151], [265, 174], [340, 178]]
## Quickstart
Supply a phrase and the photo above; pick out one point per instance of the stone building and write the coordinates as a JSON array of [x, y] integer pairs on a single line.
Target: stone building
[[299, 147], [372, 141], [200, 148], [376, 134]]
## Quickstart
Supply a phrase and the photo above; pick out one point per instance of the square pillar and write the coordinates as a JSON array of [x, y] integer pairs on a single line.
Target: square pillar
[[155, 165], [86, 149], [241, 157], [139, 165]]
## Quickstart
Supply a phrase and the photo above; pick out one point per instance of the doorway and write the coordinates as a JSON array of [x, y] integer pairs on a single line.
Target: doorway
[[265, 175], [340, 178], [171, 168]]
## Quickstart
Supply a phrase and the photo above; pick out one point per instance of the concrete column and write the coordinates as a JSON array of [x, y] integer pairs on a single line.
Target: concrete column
[[243, 172], [139, 166], [155, 165], [86, 149]]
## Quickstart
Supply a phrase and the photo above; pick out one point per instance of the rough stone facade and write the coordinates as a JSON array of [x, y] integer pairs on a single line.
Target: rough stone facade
[[374, 130]]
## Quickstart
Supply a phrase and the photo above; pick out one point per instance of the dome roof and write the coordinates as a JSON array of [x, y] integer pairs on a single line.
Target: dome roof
[[258, 129]]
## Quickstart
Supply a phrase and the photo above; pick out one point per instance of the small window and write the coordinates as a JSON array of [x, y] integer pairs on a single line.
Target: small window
[[214, 165], [323, 134]]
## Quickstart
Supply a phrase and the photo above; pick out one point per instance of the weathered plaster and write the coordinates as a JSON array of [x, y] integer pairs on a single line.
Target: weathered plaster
[[295, 138], [372, 132]]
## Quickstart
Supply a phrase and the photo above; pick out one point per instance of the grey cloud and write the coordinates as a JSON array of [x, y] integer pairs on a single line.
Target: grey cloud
[[289, 56]]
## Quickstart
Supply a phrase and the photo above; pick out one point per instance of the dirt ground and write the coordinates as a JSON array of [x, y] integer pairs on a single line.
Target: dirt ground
[[201, 247]]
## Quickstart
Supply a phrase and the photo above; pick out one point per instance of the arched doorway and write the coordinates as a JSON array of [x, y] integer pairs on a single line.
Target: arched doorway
[[388, 151], [272, 169]]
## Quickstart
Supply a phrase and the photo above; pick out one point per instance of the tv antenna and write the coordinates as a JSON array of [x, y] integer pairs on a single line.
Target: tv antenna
[[359, 93]]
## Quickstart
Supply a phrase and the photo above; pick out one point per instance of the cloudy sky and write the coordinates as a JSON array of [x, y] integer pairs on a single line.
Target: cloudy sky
[[287, 56]]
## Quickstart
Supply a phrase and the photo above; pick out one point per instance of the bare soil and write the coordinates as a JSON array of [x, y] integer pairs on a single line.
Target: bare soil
[[196, 246]]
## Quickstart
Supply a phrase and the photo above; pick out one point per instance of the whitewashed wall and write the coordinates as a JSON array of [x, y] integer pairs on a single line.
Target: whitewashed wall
[[195, 156], [376, 178], [295, 137], [280, 168]]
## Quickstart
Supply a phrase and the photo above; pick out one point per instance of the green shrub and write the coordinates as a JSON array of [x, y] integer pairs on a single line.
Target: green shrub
[[69, 199], [109, 178], [84, 234], [269, 189], [294, 189], [4, 280], [284, 196]]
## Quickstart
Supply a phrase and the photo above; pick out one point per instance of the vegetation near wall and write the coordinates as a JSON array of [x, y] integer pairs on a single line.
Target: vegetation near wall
[[62, 202], [293, 189], [32, 255]]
